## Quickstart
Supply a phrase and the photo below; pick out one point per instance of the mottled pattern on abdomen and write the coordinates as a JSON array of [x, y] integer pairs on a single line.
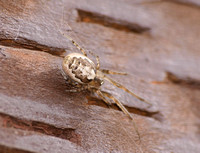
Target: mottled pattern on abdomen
[[82, 69]]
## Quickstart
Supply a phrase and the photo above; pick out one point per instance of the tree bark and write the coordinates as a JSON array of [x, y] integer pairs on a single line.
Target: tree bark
[[155, 42]]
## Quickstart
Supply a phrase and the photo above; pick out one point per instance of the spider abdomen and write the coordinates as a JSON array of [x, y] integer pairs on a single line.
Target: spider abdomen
[[79, 68]]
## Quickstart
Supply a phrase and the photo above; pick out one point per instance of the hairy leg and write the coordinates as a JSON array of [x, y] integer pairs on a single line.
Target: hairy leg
[[97, 59], [99, 93], [112, 72], [125, 89], [64, 75], [83, 51], [121, 106], [75, 44], [76, 89]]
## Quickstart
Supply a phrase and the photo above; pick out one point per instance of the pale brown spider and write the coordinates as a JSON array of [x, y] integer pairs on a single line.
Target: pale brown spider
[[85, 75]]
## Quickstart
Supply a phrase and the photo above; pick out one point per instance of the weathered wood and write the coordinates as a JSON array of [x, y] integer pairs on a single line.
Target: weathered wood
[[155, 42]]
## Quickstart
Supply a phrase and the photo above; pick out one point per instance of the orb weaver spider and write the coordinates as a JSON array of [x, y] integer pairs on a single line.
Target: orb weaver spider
[[85, 75]]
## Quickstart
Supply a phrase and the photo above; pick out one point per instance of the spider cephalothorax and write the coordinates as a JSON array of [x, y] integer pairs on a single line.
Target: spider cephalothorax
[[85, 75]]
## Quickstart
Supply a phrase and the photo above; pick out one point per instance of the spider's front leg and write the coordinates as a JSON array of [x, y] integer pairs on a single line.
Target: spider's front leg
[[125, 89], [112, 72], [75, 44]]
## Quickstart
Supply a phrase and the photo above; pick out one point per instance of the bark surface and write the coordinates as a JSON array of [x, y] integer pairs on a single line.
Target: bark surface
[[155, 42]]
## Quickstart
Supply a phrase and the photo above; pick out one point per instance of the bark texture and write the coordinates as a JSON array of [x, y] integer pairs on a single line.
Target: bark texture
[[156, 42]]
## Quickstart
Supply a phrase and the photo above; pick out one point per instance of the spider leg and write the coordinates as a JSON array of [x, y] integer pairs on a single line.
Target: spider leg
[[121, 106], [64, 75], [97, 59], [75, 44], [99, 93], [76, 90], [81, 49], [125, 89], [112, 72]]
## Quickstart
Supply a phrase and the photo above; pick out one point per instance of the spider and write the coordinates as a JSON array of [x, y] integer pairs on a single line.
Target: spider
[[85, 75]]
